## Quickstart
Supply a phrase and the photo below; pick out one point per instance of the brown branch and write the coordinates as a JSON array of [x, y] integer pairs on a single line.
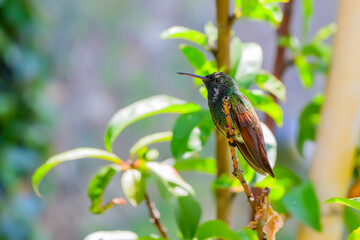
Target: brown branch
[[281, 63], [238, 173], [259, 205], [155, 216], [224, 197]]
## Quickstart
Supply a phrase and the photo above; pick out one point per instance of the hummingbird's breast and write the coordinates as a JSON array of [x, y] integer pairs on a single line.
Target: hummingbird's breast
[[215, 102]]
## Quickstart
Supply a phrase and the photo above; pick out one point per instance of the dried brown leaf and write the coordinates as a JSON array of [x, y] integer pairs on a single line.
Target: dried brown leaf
[[252, 224], [273, 224]]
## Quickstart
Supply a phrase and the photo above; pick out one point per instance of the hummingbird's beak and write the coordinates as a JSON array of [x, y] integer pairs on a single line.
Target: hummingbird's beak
[[193, 75]]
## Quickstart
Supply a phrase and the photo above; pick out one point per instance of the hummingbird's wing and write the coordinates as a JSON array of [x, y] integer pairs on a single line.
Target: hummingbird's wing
[[253, 146]]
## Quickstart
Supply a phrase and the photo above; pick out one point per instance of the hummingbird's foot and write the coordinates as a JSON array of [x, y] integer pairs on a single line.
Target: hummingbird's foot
[[233, 144], [230, 135]]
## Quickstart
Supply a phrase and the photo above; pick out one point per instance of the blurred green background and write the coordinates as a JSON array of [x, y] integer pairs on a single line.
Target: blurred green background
[[67, 66]]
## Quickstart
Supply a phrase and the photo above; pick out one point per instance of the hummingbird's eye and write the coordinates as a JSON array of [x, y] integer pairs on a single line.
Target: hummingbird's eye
[[218, 80]]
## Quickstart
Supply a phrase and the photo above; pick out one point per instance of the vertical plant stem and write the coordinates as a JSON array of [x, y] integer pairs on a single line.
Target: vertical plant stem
[[155, 216], [224, 197], [280, 59]]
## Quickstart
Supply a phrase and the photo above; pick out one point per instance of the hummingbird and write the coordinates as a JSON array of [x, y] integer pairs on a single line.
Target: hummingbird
[[248, 135]]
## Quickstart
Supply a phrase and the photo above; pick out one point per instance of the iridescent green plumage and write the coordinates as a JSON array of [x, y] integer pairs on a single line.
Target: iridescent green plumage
[[248, 132]]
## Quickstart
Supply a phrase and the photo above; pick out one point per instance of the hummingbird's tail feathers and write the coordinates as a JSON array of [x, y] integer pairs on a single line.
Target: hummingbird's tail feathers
[[265, 160], [249, 158], [259, 164]]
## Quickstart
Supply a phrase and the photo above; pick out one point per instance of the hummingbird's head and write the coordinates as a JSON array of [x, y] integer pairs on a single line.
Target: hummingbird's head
[[218, 84], [218, 80]]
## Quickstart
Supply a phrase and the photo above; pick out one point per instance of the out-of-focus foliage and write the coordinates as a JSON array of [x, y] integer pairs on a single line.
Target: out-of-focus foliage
[[303, 204], [193, 127], [354, 235], [260, 10], [24, 135], [218, 229], [310, 57], [144, 108], [308, 122], [351, 219], [352, 202], [97, 186], [74, 154]]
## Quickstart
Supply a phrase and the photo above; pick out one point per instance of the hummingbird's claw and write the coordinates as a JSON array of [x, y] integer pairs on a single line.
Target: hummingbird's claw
[[233, 144], [228, 135]]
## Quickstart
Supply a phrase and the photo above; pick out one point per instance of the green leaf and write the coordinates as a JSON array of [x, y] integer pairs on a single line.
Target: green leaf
[[270, 83], [74, 154], [211, 33], [142, 109], [205, 165], [236, 47], [355, 235], [317, 56], [304, 70], [351, 202], [249, 172], [320, 54], [351, 218], [187, 215], [133, 185], [246, 61], [258, 10], [194, 56], [303, 204], [291, 42], [308, 122], [150, 139], [225, 181], [208, 68], [152, 154], [284, 180], [97, 187], [324, 33], [307, 9], [203, 91], [184, 33], [190, 133], [112, 235], [215, 229], [170, 179], [264, 103], [238, 4], [248, 234]]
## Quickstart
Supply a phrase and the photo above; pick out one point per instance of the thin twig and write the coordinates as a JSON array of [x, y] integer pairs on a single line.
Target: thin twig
[[238, 173], [260, 204], [155, 216]]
